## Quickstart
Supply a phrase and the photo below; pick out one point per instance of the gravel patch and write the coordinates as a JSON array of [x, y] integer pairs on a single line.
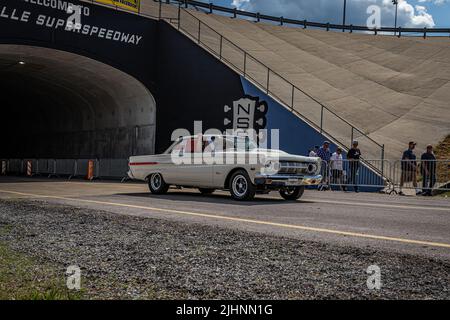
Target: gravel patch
[[124, 257]]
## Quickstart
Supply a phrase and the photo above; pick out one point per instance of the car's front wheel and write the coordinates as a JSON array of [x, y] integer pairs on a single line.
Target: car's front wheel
[[157, 185], [241, 186], [292, 193]]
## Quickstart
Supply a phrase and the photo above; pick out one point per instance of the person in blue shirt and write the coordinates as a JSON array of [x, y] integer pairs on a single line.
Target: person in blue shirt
[[324, 153], [409, 168], [428, 166]]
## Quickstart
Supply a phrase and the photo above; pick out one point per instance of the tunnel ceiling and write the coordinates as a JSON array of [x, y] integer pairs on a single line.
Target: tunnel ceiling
[[56, 92], [101, 96]]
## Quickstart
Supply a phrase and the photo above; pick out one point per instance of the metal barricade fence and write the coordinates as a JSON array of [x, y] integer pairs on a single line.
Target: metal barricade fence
[[356, 175], [14, 166], [46, 167], [424, 176], [113, 168], [80, 168], [325, 173], [42, 166], [65, 167]]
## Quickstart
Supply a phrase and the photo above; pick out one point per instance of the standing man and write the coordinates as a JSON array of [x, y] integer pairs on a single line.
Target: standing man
[[353, 157], [409, 168], [324, 153], [428, 165], [337, 168]]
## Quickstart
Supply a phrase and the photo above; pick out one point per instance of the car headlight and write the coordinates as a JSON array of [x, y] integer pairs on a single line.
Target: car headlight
[[272, 166], [312, 168]]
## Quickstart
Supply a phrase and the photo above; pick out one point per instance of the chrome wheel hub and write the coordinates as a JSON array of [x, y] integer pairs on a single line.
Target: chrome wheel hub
[[156, 181], [239, 185]]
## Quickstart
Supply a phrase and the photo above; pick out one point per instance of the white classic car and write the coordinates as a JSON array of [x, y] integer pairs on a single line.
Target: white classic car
[[223, 162]]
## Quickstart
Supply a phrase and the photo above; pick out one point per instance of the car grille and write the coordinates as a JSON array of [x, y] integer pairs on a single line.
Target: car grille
[[294, 167]]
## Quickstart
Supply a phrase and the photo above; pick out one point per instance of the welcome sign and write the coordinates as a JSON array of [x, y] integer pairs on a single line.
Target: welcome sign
[[59, 19], [132, 5]]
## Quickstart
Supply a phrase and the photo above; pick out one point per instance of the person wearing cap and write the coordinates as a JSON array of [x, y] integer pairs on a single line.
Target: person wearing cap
[[324, 153], [409, 168], [353, 157], [428, 166], [337, 168]]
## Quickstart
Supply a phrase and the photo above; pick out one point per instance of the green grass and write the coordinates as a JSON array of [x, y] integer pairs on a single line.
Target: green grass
[[22, 278]]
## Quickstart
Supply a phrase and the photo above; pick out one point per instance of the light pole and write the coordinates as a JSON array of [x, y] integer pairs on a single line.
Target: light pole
[[344, 15], [395, 2]]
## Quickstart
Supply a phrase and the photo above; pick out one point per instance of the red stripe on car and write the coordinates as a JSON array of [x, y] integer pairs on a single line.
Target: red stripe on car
[[143, 163]]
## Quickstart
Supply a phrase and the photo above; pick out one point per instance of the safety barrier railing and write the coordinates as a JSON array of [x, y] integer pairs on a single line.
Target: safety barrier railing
[[67, 168], [423, 176], [352, 175], [257, 16]]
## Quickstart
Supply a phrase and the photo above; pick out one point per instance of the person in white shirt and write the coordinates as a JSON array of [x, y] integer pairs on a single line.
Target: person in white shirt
[[337, 168], [313, 153]]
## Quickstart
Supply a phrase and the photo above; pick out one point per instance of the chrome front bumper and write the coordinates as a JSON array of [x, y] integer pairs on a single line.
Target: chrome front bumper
[[287, 180]]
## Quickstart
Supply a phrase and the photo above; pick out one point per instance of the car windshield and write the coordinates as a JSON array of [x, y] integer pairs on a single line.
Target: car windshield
[[174, 145], [240, 143], [188, 144]]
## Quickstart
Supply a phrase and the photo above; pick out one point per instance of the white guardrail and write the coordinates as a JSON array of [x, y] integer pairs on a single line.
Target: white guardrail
[[424, 176]]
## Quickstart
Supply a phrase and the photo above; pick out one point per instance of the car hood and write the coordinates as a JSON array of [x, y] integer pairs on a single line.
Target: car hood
[[284, 156]]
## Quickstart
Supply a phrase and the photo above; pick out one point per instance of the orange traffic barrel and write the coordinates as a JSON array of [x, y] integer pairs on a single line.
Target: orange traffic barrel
[[90, 170]]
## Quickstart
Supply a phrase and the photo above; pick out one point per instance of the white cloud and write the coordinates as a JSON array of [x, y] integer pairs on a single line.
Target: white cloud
[[331, 10], [436, 2]]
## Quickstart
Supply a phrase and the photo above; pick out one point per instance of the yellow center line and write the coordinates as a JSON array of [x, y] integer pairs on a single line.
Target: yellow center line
[[234, 219], [338, 202], [378, 205]]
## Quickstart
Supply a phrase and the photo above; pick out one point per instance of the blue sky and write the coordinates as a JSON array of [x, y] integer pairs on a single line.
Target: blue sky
[[412, 13]]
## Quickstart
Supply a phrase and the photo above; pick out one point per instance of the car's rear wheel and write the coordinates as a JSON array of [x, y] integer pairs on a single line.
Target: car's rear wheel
[[292, 193], [206, 190], [241, 186], [157, 185]]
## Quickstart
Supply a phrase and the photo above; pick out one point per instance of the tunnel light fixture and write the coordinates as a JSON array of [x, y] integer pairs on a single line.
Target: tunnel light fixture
[[21, 63]]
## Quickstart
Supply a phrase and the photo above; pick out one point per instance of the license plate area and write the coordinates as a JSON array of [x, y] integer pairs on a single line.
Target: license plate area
[[293, 182]]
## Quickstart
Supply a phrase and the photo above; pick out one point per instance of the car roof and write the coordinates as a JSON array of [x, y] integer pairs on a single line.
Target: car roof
[[214, 135]]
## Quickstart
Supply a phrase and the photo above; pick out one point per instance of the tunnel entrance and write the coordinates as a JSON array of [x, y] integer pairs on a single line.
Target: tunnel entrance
[[56, 104]]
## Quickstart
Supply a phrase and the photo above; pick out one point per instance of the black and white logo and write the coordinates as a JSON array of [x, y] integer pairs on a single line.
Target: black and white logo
[[247, 113]]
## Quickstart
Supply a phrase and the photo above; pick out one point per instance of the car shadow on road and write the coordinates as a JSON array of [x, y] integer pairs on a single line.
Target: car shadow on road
[[183, 196]]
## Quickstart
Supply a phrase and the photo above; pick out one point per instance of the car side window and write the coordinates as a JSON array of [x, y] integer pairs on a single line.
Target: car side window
[[213, 145], [192, 145], [238, 143]]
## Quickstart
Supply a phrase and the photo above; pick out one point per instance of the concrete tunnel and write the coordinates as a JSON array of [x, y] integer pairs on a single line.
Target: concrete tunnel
[[56, 104]]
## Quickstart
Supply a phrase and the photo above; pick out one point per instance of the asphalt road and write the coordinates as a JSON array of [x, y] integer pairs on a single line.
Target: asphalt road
[[412, 225]]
